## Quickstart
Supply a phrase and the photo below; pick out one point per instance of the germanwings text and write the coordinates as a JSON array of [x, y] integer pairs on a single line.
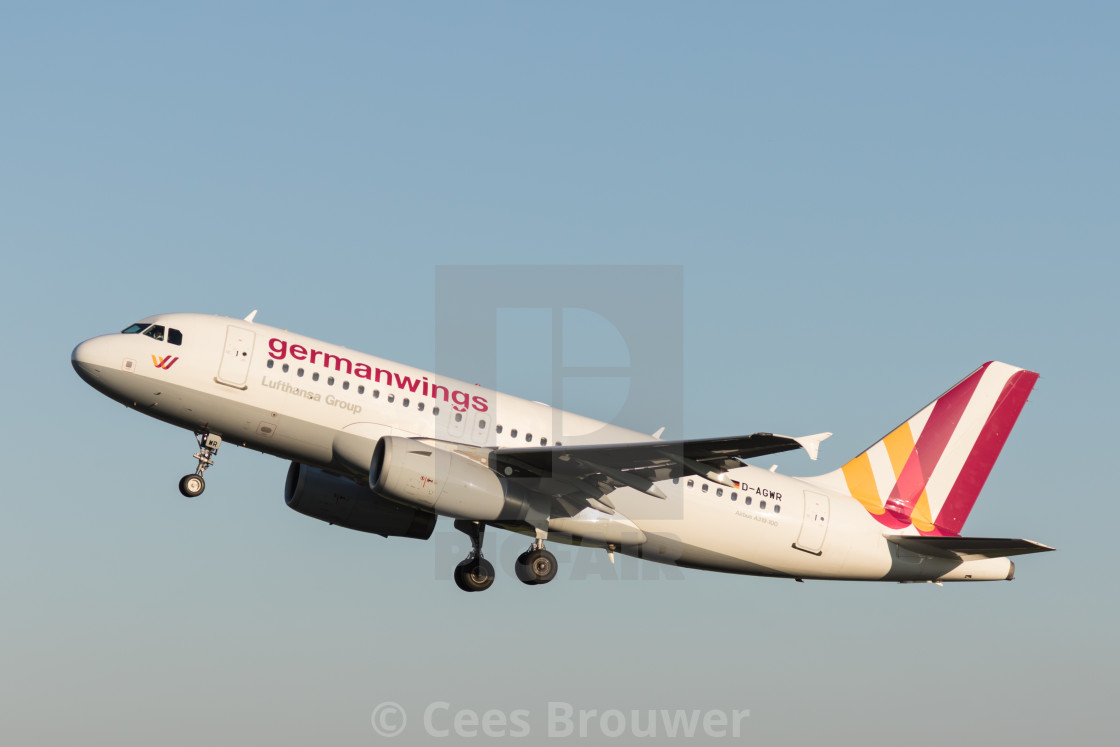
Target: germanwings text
[[461, 401]]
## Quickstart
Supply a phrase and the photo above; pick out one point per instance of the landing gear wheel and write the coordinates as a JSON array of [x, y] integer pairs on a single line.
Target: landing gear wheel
[[474, 574], [192, 485], [535, 566]]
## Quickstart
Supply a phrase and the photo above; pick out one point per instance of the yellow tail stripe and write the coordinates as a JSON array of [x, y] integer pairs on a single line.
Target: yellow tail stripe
[[861, 483], [900, 444], [922, 517]]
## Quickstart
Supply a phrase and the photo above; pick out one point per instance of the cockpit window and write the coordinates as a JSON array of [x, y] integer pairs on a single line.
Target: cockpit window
[[174, 336], [134, 329], [155, 332]]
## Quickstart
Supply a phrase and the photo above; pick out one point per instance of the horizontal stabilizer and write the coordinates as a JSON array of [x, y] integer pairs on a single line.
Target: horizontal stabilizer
[[967, 547]]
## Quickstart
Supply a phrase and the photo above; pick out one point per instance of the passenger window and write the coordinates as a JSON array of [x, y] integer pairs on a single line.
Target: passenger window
[[420, 406], [544, 442], [458, 417], [175, 337], [134, 329], [270, 363], [777, 508], [362, 390], [315, 376], [330, 381], [299, 372], [719, 492], [690, 483], [481, 424], [513, 433], [376, 393], [284, 368], [346, 385], [733, 495], [405, 402], [528, 438], [762, 505], [391, 397], [704, 487], [435, 411], [498, 429], [746, 500], [155, 332]]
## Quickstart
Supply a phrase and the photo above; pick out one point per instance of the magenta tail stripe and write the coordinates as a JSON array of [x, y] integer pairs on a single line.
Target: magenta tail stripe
[[947, 411], [979, 463]]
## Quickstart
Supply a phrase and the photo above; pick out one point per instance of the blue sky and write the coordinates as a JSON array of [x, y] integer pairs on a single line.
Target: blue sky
[[865, 201]]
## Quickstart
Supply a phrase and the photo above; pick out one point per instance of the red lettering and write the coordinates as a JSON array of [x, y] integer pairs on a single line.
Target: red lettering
[[407, 382], [480, 403], [338, 361], [299, 352], [277, 348], [460, 399]]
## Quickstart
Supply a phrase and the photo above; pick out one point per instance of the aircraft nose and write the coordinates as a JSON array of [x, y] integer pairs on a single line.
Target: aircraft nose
[[83, 359]]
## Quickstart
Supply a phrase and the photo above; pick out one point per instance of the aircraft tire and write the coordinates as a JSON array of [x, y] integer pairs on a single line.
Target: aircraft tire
[[474, 574], [192, 485], [536, 567]]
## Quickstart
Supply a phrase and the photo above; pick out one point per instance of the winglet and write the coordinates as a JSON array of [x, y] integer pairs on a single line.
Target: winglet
[[252, 315], [812, 443], [657, 433]]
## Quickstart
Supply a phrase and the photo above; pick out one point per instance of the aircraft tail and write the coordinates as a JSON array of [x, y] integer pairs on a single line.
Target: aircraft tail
[[928, 471]]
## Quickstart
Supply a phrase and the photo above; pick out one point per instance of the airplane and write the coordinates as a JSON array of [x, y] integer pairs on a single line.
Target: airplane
[[381, 447]]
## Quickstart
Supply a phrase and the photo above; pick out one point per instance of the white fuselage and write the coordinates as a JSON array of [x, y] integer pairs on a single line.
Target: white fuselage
[[322, 405]]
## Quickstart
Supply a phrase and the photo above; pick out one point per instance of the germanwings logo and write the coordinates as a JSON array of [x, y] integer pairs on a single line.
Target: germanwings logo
[[928, 472], [165, 362]]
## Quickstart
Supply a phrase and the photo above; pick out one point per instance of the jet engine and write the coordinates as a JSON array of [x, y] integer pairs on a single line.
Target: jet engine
[[442, 481], [338, 500]]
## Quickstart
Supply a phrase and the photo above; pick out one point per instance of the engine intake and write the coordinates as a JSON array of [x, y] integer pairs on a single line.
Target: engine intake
[[338, 500], [442, 481]]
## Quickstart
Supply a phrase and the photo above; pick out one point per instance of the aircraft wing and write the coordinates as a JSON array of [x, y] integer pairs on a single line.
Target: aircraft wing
[[598, 469], [967, 547]]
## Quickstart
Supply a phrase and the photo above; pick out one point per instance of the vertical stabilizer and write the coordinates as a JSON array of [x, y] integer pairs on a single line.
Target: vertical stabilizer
[[928, 471]]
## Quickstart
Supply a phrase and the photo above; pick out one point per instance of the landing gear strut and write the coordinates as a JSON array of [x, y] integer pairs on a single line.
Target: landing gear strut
[[475, 573], [536, 565], [193, 484]]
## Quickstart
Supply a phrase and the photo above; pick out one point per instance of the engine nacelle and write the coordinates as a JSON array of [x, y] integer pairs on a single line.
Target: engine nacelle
[[337, 500], [441, 481]]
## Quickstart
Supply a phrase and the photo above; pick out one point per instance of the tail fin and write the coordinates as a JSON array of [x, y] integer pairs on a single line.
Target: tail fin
[[928, 471]]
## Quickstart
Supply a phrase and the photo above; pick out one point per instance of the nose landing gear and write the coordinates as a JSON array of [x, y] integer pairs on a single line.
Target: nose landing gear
[[193, 484]]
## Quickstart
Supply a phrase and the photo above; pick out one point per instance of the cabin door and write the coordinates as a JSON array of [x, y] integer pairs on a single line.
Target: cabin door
[[236, 356]]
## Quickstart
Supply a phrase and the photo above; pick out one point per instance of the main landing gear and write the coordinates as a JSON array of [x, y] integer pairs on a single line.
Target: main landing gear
[[193, 484], [534, 566], [475, 573]]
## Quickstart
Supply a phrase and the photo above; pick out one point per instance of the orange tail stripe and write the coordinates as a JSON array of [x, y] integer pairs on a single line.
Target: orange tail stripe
[[861, 483]]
